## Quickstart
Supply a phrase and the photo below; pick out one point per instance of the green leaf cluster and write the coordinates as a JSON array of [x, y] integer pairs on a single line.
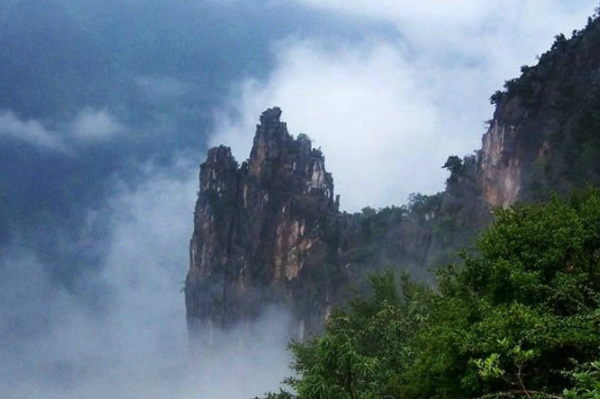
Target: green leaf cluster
[[519, 318]]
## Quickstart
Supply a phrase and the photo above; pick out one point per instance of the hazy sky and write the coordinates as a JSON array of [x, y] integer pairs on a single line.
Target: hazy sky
[[107, 108]]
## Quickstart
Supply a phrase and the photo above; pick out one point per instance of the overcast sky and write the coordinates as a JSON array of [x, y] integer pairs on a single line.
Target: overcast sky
[[107, 108]]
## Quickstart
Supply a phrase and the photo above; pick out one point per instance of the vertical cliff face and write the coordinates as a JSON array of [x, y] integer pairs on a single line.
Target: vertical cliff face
[[262, 232], [500, 165], [545, 134]]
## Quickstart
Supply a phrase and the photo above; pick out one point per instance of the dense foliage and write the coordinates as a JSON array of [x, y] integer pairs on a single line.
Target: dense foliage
[[520, 318]]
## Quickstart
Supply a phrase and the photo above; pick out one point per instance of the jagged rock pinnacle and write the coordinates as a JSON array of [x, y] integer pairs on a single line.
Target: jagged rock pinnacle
[[262, 232]]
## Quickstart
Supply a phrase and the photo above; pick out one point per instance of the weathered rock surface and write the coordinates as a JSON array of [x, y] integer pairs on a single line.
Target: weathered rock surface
[[263, 231]]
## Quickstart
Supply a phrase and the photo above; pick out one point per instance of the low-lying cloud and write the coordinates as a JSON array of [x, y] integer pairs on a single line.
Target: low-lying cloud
[[120, 332], [89, 127], [30, 131], [95, 125]]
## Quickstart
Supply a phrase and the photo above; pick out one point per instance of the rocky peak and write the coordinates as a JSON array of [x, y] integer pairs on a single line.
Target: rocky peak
[[219, 164], [261, 231], [270, 141]]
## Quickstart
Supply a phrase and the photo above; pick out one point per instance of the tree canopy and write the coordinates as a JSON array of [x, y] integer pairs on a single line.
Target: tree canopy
[[520, 317]]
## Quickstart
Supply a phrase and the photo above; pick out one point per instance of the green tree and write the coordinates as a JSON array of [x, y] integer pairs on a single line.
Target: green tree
[[365, 346], [529, 300], [513, 320]]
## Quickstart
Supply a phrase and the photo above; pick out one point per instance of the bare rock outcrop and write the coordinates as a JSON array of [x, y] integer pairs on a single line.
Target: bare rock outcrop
[[264, 233]]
